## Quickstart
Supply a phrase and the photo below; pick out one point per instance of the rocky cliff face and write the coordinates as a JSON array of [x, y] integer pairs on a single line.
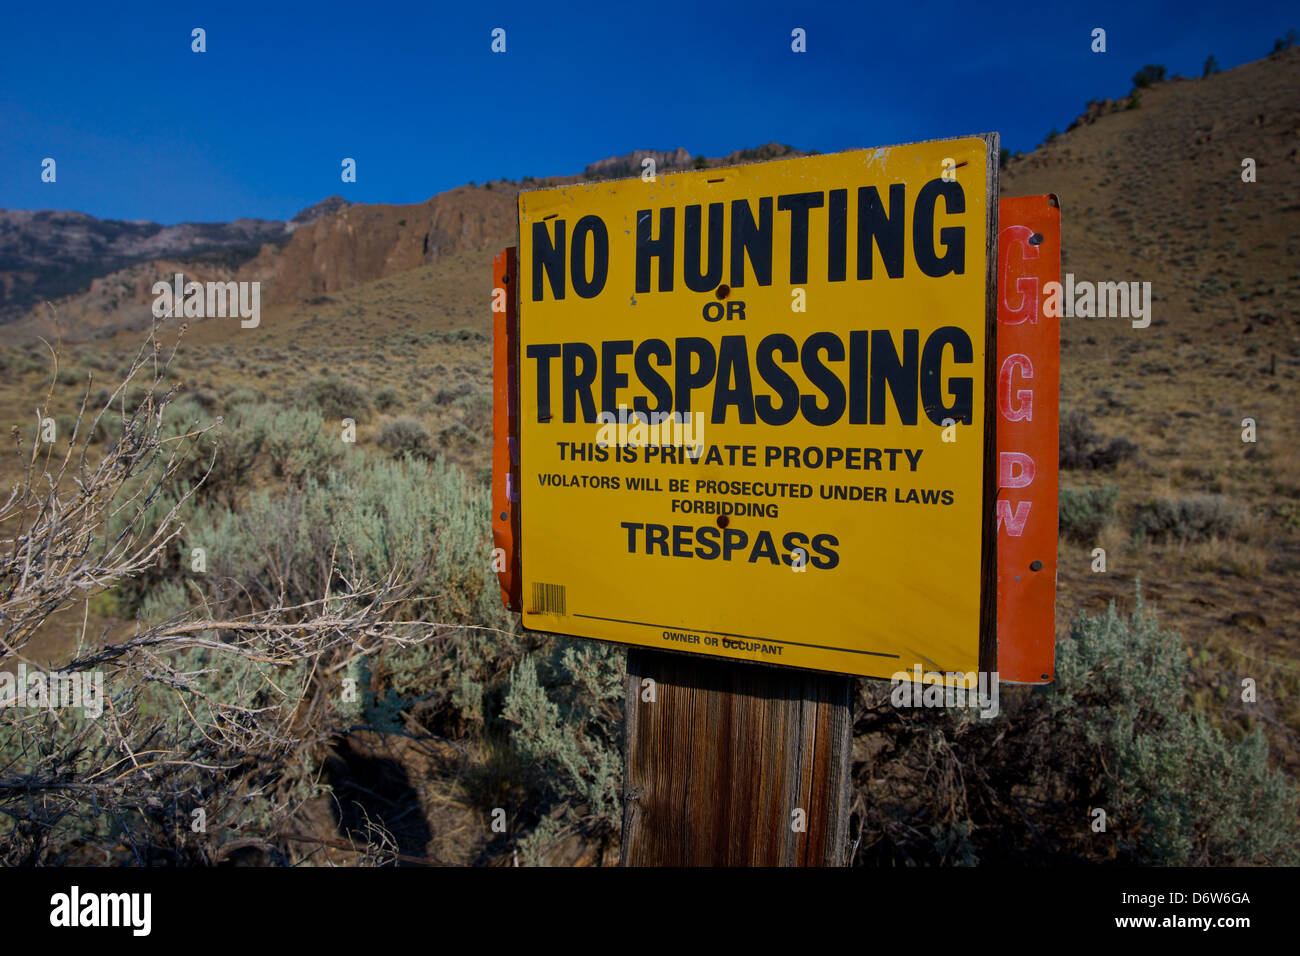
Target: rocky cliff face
[[46, 254], [319, 211], [360, 243]]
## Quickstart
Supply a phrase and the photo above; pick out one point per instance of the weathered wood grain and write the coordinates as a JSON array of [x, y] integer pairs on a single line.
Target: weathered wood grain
[[718, 762]]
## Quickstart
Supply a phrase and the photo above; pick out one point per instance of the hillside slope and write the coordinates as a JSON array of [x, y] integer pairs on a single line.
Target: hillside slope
[[1155, 194]]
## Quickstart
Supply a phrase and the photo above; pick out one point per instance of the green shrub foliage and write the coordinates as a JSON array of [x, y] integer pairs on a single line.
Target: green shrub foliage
[[1197, 518], [1116, 731], [1083, 513]]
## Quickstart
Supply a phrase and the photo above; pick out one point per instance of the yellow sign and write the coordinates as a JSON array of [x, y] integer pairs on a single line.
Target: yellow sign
[[753, 409]]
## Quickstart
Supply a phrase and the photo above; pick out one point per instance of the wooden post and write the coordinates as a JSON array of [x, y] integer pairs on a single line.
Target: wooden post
[[721, 757]]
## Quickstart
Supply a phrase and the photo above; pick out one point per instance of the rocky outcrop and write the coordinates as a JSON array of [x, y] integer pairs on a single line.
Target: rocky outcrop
[[319, 211], [759, 153], [621, 167], [360, 243]]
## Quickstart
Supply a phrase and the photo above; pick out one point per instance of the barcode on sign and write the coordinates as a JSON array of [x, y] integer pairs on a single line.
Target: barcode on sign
[[548, 599]]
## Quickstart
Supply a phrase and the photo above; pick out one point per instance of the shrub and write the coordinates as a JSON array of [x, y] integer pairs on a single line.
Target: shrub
[[456, 434], [406, 436], [451, 335], [293, 444], [1148, 75], [1084, 513], [64, 426], [107, 431], [1212, 286], [373, 517], [387, 397], [1081, 447], [565, 707], [1116, 730], [1198, 518], [449, 393], [476, 408], [1076, 438], [217, 706], [365, 519], [242, 396], [204, 400], [298, 442], [336, 399], [1108, 457], [1177, 792]]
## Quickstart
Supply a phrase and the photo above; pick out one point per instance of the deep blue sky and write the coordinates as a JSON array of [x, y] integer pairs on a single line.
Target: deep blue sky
[[142, 128]]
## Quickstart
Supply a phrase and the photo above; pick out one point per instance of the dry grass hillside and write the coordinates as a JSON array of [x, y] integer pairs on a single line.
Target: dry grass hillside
[[1154, 193]]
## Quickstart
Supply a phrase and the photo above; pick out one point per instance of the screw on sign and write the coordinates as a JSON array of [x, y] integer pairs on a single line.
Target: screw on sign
[[817, 518]]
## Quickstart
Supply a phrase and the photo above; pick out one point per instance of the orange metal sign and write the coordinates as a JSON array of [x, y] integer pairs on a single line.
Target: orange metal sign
[[1027, 386], [505, 427]]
